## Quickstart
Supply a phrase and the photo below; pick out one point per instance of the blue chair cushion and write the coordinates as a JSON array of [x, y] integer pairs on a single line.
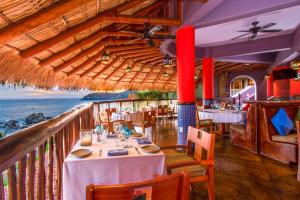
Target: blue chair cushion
[[282, 122]]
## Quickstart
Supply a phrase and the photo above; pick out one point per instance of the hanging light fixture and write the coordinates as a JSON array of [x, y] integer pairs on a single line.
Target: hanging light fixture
[[105, 58], [128, 69], [166, 74], [267, 77], [168, 61]]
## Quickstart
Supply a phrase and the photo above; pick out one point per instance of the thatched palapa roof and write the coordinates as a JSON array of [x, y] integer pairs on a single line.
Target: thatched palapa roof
[[49, 43]]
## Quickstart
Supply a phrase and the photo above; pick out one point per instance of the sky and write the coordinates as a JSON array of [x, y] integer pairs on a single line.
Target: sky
[[7, 92]]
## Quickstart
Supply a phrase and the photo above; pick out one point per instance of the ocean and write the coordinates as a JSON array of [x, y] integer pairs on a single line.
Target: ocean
[[19, 109]]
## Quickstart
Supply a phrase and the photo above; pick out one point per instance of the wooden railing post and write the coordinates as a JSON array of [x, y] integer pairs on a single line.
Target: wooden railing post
[[12, 183], [21, 187], [50, 169], [31, 175]]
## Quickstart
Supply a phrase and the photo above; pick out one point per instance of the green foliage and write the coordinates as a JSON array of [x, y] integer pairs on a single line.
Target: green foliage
[[155, 95], [2, 134]]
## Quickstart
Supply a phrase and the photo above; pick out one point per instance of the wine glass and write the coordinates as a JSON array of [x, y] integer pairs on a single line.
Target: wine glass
[[126, 134]]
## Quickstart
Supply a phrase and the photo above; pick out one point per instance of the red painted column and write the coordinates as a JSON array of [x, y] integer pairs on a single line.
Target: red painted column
[[270, 85], [208, 81], [185, 54]]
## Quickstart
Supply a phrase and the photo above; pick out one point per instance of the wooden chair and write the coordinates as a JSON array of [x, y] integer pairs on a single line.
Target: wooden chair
[[201, 170], [173, 187], [162, 112], [105, 118], [298, 135], [204, 123], [147, 121]]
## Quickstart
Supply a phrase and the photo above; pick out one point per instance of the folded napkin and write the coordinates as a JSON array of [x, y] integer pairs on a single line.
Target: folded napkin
[[112, 135], [143, 141], [117, 152]]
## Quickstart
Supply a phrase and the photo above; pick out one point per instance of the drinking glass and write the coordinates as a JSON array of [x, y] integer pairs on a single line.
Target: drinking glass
[[126, 133], [86, 137]]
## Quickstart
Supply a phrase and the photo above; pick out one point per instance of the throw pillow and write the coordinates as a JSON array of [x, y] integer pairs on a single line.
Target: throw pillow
[[282, 122]]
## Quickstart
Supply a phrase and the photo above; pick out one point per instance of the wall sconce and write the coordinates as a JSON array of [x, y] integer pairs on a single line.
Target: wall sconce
[[267, 77]]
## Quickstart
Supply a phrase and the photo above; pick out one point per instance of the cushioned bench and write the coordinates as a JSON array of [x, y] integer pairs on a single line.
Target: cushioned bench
[[271, 144]]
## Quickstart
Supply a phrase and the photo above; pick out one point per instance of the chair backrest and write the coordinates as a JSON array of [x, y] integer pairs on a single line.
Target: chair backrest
[[149, 116], [162, 109], [106, 115], [172, 187], [198, 139]]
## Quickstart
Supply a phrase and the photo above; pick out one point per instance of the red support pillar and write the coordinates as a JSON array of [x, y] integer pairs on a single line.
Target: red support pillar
[[185, 54], [270, 85], [208, 82]]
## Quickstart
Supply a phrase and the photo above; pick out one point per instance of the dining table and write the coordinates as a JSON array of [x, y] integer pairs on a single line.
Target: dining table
[[101, 169], [222, 117]]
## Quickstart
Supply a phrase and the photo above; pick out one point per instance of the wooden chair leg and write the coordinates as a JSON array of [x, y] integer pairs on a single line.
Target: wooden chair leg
[[211, 184]]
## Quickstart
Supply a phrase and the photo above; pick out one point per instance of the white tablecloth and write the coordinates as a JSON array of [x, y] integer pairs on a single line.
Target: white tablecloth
[[78, 173], [226, 116], [135, 116]]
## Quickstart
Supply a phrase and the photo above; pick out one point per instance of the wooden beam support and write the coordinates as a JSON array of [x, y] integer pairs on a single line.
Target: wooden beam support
[[117, 69], [94, 58], [147, 57], [86, 52], [71, 32], [153, 59], [98, 20], [148, 75], [107, 67], [158, 75], [41, 17], [78, 45]]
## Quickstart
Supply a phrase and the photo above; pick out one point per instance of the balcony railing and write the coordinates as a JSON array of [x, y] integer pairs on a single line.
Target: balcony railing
[[31, 160]]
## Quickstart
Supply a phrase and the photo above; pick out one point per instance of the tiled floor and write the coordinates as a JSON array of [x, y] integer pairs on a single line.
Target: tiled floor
[[239, 174]]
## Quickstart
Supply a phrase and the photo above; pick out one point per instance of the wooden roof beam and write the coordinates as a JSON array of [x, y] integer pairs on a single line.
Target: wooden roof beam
[[118, 68], [148, 75], [147, 57], [145, 11], [78, 45], [98, 20], [86, 52], [95, 57], [125, 62], [39, 18], [134, 55], [107, 67], [70, 32]]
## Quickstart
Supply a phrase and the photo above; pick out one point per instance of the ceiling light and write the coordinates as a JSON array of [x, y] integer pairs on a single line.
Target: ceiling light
[[168, 61], [128, 69], [166, 74], [105, 58]]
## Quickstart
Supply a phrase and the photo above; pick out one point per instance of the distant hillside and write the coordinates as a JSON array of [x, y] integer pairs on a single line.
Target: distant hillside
[[98, 96]]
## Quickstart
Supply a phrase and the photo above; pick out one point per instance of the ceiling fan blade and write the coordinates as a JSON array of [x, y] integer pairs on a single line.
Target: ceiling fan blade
[[240, 36], [154, 29], [244, 31], [137, 33], [270, 31], [268, 25], [163, 36]]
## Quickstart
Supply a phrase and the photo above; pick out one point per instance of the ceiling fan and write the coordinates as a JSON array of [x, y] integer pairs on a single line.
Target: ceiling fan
[[255, 29], [149, 34]]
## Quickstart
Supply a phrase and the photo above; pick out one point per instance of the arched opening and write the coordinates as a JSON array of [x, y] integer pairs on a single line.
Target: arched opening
[[243, 88]]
